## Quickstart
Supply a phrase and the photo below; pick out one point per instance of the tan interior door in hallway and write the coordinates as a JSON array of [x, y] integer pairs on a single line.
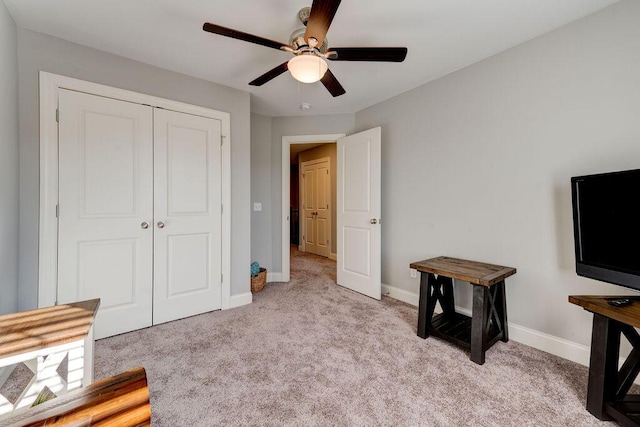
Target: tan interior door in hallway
[[316, 213]]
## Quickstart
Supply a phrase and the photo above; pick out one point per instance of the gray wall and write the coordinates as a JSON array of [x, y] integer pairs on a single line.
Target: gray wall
[[41, 52], [9, 163], [289, 126], [261, 248], [477, 164]]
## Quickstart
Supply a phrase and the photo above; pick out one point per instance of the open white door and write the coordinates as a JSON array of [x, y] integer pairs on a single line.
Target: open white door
[[358, 212]]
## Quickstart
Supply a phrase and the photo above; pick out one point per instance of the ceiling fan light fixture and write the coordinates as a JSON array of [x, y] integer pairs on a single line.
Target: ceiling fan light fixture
[[307, 68]]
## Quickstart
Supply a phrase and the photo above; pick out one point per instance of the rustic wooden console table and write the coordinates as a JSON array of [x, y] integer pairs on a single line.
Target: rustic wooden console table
[[607, 396], [121, 400], [488, 321], [42, 339]]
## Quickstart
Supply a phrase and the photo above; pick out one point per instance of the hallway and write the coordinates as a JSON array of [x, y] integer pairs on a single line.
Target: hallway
[[306, 267]]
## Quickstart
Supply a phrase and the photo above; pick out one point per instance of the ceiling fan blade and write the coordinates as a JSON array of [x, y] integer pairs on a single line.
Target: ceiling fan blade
[[379, 54], [332, 84], [235, 34], [271, 74], [320, 17]]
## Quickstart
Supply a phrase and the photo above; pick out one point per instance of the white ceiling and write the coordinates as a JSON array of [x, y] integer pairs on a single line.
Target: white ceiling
[[442, 36]]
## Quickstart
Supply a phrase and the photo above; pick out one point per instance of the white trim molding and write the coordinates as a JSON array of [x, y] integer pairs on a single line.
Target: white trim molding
[[50, 84], [400, 294], [551, 344], [240, 300], [548, 343], [287, 141], [274, 277]]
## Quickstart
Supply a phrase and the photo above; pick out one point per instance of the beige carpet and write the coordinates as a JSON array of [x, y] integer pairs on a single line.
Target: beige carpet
[[312, 353]]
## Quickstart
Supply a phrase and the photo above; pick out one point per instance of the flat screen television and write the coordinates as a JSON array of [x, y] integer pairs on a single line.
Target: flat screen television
[[606, 224]]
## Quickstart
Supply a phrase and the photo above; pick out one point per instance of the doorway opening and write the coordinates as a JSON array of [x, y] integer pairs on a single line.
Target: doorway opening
[[291, 146]]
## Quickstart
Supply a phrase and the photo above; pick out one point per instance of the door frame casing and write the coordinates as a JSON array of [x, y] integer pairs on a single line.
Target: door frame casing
[[48, 231], [287, 141], [302, 192]]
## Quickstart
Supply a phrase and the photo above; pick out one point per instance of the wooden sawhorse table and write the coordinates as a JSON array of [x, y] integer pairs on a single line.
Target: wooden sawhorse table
[[607, 390], [488, 321]]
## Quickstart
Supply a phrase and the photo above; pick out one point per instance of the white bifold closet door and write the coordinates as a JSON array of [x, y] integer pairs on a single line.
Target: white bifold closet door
[[139, 211], [187, 215]]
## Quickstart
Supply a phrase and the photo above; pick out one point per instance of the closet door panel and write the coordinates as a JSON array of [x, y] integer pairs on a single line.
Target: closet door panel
[[187, 215], [187, 171], [105, 195]]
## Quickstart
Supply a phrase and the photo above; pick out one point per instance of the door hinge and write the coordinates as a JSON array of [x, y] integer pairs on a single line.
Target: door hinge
[[221, 140], [327, 206], [58, 115], [57, 211], [327, 241], [327, 171]]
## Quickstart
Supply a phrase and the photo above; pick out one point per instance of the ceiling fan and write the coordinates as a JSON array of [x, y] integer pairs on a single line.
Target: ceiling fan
[[309, 47]]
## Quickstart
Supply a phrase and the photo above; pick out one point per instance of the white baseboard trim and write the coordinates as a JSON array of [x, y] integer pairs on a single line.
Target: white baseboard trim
[[333, 256], [551, 344], [274, 277], [400, 294], [240, 300]]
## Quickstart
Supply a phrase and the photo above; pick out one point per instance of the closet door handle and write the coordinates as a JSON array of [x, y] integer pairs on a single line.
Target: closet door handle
[[160, 224], [144, 225]]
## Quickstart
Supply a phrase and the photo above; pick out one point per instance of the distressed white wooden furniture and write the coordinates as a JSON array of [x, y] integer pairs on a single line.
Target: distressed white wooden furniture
[[42, 339]]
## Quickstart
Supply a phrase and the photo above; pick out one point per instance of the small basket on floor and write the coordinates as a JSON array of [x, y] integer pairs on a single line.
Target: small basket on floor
[[258, 282]]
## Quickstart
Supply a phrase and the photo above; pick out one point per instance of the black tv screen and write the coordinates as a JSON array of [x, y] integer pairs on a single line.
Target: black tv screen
[[606, 223]]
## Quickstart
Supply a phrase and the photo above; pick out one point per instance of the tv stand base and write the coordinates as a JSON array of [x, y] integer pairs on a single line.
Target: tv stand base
[[607, 397]]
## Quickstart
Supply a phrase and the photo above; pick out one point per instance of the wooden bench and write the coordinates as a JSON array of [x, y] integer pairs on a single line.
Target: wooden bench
[[121, 400], [488, 321]]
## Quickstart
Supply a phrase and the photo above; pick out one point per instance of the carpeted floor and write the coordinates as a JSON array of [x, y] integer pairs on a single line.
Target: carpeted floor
[[313, 353]]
